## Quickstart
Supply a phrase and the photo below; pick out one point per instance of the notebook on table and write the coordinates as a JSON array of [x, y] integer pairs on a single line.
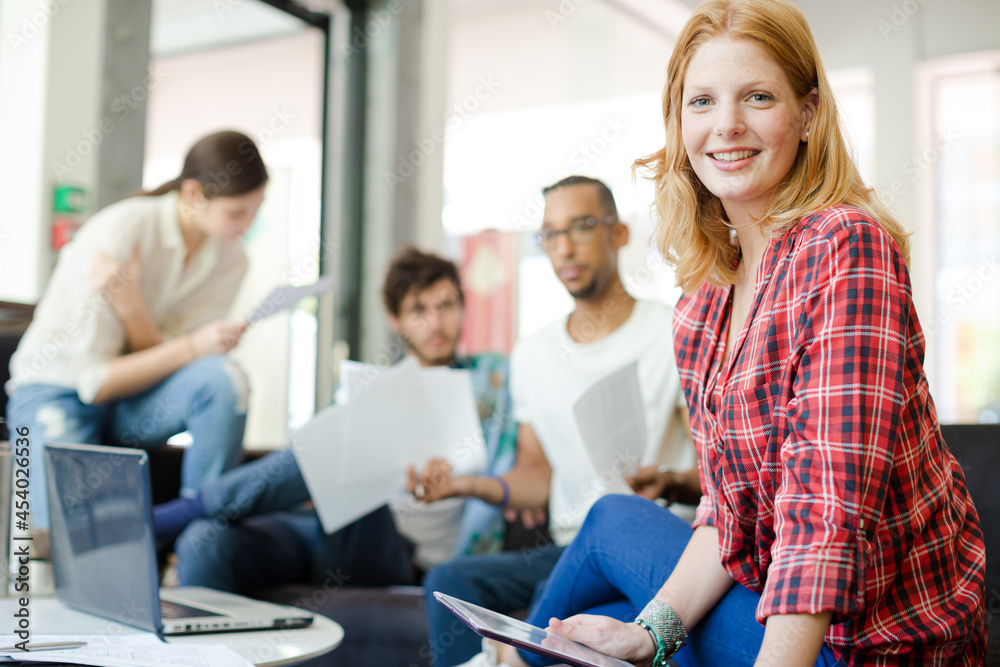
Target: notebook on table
[[104, 552]]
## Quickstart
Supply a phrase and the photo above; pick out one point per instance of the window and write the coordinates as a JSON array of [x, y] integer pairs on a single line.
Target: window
[[960, 163]]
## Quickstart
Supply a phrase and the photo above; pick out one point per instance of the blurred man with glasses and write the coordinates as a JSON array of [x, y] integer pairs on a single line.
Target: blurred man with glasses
[[607, 330]]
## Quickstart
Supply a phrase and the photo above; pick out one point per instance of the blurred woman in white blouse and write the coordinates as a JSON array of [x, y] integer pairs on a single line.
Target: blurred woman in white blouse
[[128, 343]]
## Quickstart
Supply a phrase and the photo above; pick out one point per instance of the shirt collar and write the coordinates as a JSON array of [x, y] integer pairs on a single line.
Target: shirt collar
[[456, 363], [170, 236]]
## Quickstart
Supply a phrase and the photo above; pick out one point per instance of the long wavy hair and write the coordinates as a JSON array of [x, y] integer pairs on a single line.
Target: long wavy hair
[[692, 232]]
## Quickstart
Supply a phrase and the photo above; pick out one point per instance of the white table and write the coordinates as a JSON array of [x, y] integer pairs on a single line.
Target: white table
[[265, 648]]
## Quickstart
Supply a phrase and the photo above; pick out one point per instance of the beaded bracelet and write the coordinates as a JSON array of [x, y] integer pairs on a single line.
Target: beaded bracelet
[[662, 618], [660, 659], [506, 491]]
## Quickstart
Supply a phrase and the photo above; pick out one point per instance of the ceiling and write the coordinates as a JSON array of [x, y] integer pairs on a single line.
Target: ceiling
[[662, 16], [185, 26]]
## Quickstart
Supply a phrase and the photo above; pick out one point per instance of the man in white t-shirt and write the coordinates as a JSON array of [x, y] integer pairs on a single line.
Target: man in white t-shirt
[[550, 371]]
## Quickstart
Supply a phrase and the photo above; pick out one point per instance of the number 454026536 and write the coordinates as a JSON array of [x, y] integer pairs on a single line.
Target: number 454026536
[[21, 474]]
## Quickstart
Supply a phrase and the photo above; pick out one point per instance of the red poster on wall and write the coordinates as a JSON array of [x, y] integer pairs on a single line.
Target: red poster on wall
[[489, 276]]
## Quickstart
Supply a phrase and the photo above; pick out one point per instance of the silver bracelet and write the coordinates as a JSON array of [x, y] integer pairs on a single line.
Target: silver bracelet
[[665, 621]]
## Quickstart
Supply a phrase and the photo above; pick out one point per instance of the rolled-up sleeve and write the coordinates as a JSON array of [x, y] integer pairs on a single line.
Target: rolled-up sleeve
[[842, 419], [705, 514], [101, 340]]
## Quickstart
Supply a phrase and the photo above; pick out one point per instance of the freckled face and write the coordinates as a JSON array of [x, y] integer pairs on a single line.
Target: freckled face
[[741, 122]]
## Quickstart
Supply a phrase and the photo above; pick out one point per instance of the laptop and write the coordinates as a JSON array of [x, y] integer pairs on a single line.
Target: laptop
[[519, 634], [104, 552]]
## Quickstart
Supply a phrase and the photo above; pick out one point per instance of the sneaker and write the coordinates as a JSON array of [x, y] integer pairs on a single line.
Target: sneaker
[[488, 658], [168, 574], [479, 660], [41, 547]]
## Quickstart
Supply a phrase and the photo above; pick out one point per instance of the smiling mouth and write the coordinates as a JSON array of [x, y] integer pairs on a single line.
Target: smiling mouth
[[733, 156]]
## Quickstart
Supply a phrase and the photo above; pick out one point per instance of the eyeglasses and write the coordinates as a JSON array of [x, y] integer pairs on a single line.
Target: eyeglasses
[[442, 308], [579, 232]]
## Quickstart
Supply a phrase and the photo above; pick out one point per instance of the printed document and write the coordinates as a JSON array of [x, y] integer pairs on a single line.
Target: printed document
[[131, 650], [286, 296], [354, 455], [613, 425]]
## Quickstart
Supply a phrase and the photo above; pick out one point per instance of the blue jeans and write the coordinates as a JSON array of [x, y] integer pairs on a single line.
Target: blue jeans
[[258, 536], [624, 552], [206, 398], [505, 582]]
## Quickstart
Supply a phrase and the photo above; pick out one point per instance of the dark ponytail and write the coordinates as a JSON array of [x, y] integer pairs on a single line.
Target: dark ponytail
[[227, 164]]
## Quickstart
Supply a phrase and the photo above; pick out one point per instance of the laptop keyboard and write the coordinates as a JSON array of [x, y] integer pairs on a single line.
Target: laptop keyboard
[[170, 609]]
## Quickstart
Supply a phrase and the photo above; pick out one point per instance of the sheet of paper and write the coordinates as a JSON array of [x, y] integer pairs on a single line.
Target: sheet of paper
[[454, 401], [613, 425], [354, 456], [141, 650], [131, 639], [286, 296], [452, 396], [356, 377]]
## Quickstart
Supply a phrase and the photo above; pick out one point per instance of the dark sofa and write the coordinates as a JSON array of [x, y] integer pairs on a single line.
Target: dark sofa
[[14, 320], [977, 448]]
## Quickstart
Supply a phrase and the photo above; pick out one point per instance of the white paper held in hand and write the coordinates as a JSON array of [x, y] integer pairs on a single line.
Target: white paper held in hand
[[354, 456], [286, 296], [613, 425]]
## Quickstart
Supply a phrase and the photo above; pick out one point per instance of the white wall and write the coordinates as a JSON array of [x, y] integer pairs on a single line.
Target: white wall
[[546, 89], [542, 55], [51, 67], [271, 89]]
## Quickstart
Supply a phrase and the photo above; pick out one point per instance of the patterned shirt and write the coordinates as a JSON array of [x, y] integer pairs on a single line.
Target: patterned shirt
[[821, 460], [483, 525]]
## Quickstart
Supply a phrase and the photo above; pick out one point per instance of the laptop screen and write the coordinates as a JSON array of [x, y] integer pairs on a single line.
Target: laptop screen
[[103, 553]]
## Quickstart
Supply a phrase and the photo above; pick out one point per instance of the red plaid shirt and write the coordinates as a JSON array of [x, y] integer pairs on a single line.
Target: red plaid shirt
[[821, 460]]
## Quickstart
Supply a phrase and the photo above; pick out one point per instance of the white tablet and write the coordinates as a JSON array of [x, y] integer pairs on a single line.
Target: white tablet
[[522, 635]]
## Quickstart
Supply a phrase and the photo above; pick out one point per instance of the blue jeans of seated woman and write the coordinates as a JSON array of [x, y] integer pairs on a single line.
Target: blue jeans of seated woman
[[257, 536], [207, 398], [626, 549]]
